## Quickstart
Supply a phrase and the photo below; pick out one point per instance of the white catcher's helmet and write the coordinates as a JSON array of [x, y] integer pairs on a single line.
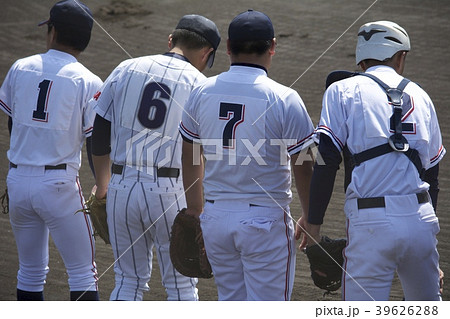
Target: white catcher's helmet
[[380, 40]]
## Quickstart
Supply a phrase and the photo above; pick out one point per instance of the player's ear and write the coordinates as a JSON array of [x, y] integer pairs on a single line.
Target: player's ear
[[272, 47], [206, 53], [169, 42], [400, 62], [228, 47], [363, 66]]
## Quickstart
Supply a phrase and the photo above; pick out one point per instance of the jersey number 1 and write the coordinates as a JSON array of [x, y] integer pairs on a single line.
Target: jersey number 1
[[40, 113]]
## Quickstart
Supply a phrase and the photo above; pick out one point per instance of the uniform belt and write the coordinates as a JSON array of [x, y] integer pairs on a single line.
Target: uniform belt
[[160, 172], [212, 202], [47, 167], [374, 202]]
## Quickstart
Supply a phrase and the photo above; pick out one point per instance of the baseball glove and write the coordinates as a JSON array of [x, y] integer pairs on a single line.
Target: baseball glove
[[96, 209], [187, 249], [326, 261]]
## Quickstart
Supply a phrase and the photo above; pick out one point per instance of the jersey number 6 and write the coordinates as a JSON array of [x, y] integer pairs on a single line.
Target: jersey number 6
[[152, 110]]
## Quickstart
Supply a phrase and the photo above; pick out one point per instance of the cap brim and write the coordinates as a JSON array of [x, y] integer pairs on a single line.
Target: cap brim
[[210, 61], [44, 22]]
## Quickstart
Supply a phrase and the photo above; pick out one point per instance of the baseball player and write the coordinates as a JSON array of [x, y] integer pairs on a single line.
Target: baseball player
[[387, 129], [138, 111], [249, 128], [46, 96]]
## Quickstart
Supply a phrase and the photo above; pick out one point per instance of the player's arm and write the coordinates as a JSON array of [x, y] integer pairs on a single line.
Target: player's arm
[[10, 124], [101, 147], [89, 154], [431, 177], [322, 183], [193, 170], [436, 151], [302, 177]]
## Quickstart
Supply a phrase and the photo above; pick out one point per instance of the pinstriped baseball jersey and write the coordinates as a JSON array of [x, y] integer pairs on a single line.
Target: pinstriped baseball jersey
[[247, 132], [144, 98], [359, 117], [56, 110], [137, 98]]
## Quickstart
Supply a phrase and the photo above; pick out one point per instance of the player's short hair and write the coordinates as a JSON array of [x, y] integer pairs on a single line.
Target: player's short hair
[[386, 61], [73, 23], [72, 37], [258, 47], [189, 40]]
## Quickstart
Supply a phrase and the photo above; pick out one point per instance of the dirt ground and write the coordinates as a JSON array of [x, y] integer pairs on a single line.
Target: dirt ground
[[314, 38]]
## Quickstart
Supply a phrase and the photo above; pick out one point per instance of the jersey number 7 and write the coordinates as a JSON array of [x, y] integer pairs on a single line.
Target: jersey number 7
[[234, 114]]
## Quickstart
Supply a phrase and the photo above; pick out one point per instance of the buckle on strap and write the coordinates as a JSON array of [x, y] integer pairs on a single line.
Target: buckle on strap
[[398, 143]]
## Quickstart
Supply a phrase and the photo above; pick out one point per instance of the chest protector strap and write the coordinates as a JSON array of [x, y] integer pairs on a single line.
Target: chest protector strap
[[396, 142]]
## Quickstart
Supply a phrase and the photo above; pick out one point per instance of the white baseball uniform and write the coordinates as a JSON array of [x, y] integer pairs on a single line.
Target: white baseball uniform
[[399, 235], [143, 98], [47, 97], [248, 125]]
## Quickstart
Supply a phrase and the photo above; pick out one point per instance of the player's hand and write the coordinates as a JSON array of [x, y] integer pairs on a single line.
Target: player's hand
[[312, 234], [100, 192], [300, 228], [193, 211]]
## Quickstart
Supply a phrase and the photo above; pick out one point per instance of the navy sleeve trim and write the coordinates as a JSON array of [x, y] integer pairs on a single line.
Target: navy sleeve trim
[[431, 177], [101, 136], [323, 178]]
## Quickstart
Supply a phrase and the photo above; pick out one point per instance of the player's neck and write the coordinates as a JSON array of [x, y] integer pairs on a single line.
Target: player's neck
[[196, 57], [264, 61], [66, 49]]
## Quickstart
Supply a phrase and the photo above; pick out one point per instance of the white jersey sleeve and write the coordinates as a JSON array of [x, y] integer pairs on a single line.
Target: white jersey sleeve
[[103, 99], [333, 121], [88, 110], [189, 127], [296, 113], [5, 92], [436, 150]]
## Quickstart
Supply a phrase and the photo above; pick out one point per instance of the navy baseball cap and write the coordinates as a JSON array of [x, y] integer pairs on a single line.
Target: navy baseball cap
[[72, 13], [251, 25], [203, 27]]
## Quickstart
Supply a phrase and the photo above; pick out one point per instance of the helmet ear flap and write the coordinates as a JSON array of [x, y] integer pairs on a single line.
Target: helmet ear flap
[[380, 40]]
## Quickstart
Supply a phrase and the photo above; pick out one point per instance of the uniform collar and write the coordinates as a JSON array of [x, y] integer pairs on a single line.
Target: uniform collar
[[381, 68], [61, 55], [246, 67], [177, 56]]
